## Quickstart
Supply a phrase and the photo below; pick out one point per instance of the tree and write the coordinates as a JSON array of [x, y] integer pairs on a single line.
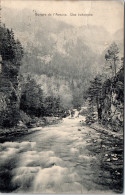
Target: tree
[[91, 116], [31, 100], [10, 49], [52, 106], [112, 58], [94, 94], [11, 53]]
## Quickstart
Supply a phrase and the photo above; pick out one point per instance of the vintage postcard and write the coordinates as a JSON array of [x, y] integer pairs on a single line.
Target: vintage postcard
[[61, 96]]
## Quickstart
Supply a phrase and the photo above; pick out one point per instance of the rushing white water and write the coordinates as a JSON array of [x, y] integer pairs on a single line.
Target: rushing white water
[[55, 159]]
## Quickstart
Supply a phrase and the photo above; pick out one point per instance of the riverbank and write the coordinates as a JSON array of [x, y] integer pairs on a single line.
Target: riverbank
[[104, 130], [7, 134]]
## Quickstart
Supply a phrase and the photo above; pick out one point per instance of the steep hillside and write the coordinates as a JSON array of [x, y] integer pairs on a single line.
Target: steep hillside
[[56, 49]]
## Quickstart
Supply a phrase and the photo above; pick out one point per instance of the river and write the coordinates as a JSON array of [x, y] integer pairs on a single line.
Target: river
[[62, 158]]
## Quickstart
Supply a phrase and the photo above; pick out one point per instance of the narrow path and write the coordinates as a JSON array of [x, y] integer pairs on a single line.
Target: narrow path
[[63, 158]]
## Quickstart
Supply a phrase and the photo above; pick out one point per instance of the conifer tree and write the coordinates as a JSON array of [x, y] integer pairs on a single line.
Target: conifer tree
[[112, 58]]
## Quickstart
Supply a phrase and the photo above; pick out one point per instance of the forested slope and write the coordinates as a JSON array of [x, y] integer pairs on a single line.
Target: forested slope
[[106, 92]]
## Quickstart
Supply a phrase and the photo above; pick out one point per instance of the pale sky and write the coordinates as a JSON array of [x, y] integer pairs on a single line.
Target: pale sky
[[109, 14]]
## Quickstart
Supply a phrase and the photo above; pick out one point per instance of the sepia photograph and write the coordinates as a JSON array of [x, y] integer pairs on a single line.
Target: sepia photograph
[[62, 96]]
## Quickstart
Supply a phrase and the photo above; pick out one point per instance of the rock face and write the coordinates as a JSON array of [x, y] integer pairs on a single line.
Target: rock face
[[113, 102]]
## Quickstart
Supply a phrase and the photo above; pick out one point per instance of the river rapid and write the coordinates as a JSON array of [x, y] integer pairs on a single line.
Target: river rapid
[[62, 158]]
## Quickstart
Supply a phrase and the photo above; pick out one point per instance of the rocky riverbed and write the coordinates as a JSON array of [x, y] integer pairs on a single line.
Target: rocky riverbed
[[62, 158]]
